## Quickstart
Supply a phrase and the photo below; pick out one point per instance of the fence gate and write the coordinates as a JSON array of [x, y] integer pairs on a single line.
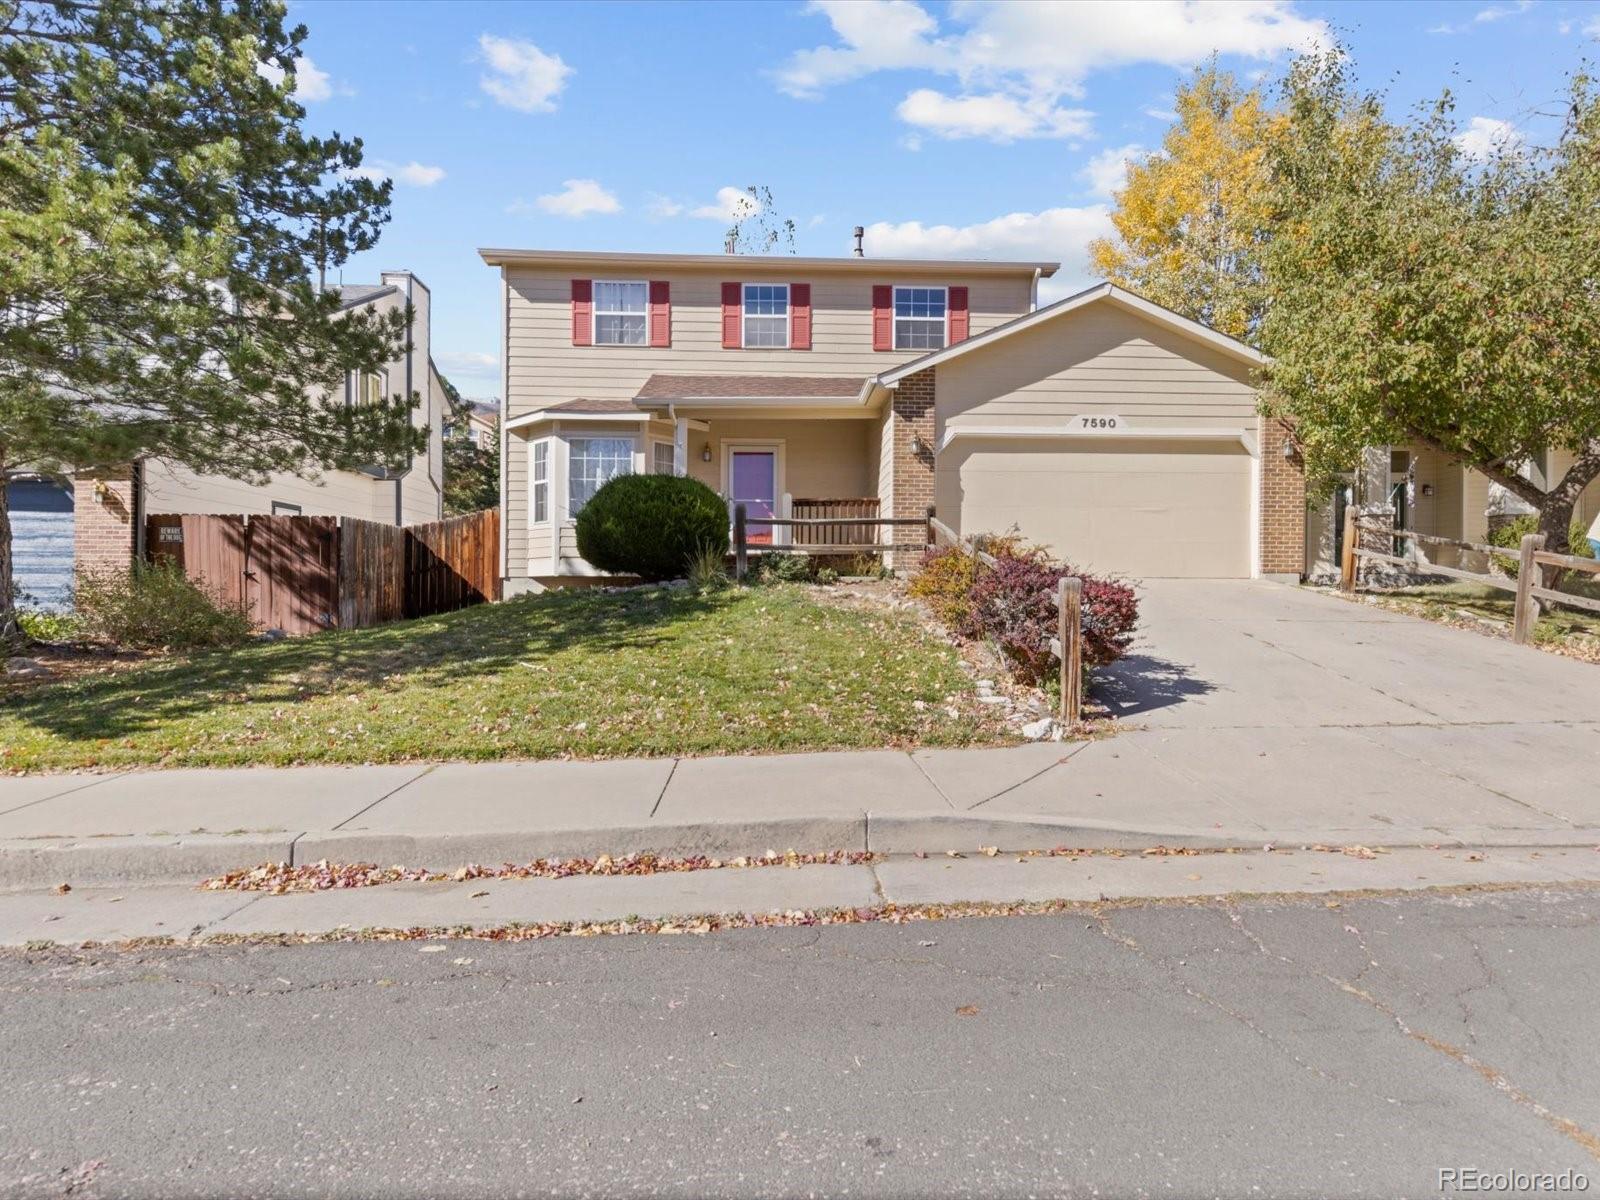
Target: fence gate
[[292, 572], [210, 549]]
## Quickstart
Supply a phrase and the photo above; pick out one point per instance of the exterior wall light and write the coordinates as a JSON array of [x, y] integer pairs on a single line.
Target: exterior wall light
[[705, 452]]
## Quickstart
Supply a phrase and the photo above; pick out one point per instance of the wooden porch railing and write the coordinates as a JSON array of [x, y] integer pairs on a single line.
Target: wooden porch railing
[[833, 534]]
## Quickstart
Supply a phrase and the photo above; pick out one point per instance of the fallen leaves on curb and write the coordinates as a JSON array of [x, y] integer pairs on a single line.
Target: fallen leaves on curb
[[280, 878]]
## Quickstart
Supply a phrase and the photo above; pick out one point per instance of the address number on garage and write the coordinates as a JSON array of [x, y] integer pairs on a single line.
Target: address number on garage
[[1099, 423]]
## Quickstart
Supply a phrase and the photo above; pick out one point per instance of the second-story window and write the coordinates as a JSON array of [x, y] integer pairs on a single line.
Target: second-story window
[[919, 318], [766, 314], [620, 313]]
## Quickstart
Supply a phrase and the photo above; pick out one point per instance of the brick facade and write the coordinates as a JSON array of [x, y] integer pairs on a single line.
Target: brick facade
[[103, 508], [1283, 502], [913, 417]]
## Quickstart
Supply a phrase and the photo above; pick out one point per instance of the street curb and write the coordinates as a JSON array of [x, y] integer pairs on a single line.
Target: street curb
[[113, 860], [45, 862]]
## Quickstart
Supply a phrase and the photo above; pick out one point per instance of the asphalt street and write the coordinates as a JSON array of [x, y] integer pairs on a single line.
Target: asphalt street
[[1260, 1048]]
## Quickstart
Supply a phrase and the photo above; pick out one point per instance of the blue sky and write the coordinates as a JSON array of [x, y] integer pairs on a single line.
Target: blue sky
[[965, 129]]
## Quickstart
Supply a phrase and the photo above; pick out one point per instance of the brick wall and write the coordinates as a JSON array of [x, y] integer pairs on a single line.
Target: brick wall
[[1283, 503], [913, 472], [103, 517]]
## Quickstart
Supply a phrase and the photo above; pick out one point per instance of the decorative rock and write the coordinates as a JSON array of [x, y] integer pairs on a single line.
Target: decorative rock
[[271, 635], [1038, 731], [27, 668], [988, 698]]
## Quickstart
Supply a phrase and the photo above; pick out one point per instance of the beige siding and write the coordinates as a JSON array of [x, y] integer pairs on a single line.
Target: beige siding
[[543, 367], [1098, 360], [1589, 502], [175, 489], [1442, 513], [821, 459]]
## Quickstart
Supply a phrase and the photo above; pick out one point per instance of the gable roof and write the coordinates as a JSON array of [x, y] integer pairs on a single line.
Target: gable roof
[[1100, 292], [353, 294], [501, 257]]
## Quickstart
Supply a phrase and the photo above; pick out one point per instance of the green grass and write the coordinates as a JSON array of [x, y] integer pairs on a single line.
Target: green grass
[[579, 674]]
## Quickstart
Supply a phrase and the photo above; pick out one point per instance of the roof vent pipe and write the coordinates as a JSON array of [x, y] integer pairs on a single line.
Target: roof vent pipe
[[860, 233]]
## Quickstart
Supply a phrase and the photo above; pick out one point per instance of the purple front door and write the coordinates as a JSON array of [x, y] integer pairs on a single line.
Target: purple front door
[[753, 482]]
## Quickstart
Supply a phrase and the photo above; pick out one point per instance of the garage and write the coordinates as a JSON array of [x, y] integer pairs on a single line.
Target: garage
[[1146, 509]]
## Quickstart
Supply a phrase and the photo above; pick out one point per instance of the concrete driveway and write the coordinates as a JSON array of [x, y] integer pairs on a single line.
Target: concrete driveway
[[1257, 705]]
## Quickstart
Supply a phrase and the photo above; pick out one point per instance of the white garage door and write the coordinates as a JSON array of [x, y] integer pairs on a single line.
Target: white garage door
[[1142, 509]]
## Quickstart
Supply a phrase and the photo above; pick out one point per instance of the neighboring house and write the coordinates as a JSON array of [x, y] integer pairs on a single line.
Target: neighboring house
[[478, 422], [110, 506], [1124, 437], [41, 537], [1431, 494]]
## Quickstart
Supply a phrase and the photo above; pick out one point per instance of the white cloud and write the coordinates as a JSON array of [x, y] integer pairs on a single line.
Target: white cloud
[[520, 75], [1020, 59], [1485, 16], [998, 117], [412, 174], [1107, 172], [1060, 234], [1485, 136], [311, 82], [579, 198], [732, 204], [467, 362], [1160, 114], [1591, 27]]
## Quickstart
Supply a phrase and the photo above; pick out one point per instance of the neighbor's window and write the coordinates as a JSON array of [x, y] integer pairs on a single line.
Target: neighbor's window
[[766, 314], [368, 387], [541, 481], [664, 460], [919, 318], [593, 462], [619, 313]]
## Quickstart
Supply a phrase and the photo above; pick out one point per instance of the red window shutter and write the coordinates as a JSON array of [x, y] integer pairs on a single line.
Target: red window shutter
[[960, 322], [583, 312], [882, 316], [660, 312], [732, 302], [799, 316]]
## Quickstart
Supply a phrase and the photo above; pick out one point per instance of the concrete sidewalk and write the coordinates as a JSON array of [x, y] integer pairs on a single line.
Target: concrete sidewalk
[[1142, 787]]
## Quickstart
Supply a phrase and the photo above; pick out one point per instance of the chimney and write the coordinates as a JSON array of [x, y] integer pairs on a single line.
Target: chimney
[[730, 244], [860, 233]]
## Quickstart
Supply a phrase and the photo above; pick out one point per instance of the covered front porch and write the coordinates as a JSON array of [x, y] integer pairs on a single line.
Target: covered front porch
[[797, 457]]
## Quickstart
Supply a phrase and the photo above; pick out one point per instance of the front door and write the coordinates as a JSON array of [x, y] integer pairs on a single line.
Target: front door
[[753, 482]]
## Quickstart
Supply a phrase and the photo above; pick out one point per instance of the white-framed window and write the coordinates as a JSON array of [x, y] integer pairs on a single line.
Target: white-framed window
[[367, 387], [541, 481], [766, 315], [282, 508], [621, 313], [919, 318], [592, 462], [663, 458]]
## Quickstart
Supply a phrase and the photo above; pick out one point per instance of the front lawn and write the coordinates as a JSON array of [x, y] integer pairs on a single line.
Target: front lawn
[[1568, 631], [582, 674]]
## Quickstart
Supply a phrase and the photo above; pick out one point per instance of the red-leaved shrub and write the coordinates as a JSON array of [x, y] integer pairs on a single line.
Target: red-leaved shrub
[[1010, 604]]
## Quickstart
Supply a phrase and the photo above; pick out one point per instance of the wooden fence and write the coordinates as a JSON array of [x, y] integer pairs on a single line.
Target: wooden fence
[[1373, 539], [1067, 599], [305, 574], [843, 532], [809, 537]]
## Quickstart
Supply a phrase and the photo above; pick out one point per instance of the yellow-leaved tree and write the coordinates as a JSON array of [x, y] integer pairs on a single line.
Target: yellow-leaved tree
[[1191, 218]]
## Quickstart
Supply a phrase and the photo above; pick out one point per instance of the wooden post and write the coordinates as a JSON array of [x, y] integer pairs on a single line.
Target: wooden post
[[741, 553], [1070, 630], [1526, 614], [929, 540], [1347, 558]]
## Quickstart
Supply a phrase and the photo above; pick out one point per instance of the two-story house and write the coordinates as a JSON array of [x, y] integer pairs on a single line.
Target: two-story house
[[109, 507], [1123, 436]]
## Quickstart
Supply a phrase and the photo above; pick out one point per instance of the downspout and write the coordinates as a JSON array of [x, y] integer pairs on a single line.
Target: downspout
[[1033, 293]]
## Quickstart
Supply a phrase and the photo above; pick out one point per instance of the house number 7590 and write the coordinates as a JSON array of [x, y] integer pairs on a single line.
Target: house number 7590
[[1105, 424]]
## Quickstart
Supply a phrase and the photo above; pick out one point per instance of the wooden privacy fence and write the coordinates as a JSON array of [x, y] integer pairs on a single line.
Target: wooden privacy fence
[[1538, 569], [305, 574], [1067, 645]]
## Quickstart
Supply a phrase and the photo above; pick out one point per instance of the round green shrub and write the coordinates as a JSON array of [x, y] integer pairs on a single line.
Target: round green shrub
[[652, 525]]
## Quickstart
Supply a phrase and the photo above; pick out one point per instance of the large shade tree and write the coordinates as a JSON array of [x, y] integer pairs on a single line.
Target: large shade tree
[[1424, 295], [164, 218], [1191, 218]]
